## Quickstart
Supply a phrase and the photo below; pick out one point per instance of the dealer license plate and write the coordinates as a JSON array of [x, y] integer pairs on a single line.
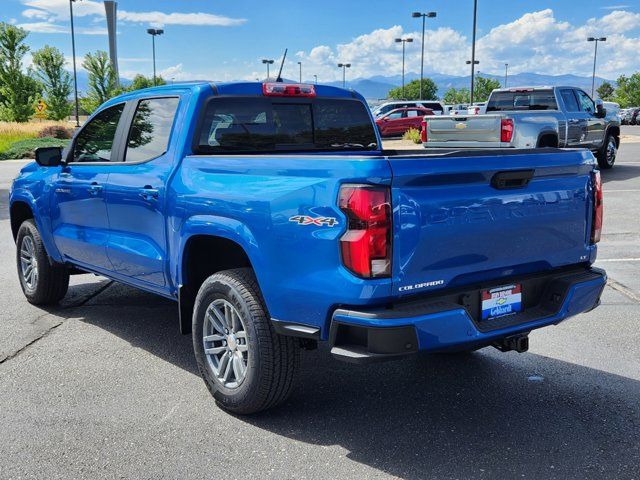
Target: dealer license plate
[[501, 301]]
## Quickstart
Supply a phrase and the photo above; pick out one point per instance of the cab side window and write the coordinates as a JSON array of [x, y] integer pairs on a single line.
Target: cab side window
[[95, 141], [569, 99], [151, 128], [586, 104]]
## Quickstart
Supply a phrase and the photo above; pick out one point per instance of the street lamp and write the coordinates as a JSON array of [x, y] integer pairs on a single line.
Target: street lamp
[[506, 74], [344, 67], [473, 61], [424, 17], [154, 32], [267, 62], [595, 55], [300, 64], [75, 73], [316, 77], [404, 41]]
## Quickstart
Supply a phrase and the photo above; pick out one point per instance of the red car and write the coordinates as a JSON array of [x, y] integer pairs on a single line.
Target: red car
[[398, 121]]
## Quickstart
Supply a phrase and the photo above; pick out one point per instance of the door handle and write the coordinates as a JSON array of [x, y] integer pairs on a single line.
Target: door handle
[[95, 189], [149, 193]]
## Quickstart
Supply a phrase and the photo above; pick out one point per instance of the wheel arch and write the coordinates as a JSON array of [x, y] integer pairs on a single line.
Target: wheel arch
[[233, 246]]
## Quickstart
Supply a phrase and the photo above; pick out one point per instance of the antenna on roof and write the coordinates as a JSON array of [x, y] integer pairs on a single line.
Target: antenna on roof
[[279, 79]]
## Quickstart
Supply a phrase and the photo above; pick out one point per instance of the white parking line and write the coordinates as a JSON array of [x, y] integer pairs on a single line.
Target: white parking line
[[634, 259]]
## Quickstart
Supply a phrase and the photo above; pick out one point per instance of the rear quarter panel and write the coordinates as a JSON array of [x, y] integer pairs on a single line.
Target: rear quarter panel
[[251, 199]]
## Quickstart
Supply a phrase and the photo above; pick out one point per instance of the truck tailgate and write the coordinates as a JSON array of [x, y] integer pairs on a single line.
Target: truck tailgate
[[452, 227], [464, 128]]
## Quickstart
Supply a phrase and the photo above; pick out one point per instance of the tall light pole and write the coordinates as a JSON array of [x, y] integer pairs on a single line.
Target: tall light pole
[[595, 56], [424, 17], [404, 41], [344, 67], [506, 74], [316, 77], [473, 61], [267, 62], [75, 73], [300, 65], [154, 32]]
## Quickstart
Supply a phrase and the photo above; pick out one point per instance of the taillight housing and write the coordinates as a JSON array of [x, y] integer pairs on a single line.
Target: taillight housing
[[506, 130], [596, 222], [280, 89], [423, 132], [366, 245]]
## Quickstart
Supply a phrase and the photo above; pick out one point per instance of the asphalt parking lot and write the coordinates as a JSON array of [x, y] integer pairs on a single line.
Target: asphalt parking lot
[[104, 386]]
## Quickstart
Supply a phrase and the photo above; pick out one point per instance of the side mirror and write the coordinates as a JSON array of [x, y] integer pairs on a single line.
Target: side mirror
[[49, 156], [601, 112]]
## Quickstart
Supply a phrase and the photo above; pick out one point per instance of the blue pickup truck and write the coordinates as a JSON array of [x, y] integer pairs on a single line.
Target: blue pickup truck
[[273, 217]]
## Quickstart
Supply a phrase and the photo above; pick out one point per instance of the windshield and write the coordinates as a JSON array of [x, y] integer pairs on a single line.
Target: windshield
[[522, 100], [251, 124]]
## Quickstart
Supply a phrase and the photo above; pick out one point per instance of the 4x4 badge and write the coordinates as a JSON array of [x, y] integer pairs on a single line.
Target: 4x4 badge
[[318, 221]]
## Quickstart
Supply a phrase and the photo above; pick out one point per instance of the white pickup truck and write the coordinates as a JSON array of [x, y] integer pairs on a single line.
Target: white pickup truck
[[535, 117]]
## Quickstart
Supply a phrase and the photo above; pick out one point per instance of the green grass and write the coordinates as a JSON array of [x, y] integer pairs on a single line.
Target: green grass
[[8, 139], [26, 148]]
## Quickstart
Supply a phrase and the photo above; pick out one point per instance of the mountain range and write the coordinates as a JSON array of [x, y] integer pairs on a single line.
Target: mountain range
[[378, 86]]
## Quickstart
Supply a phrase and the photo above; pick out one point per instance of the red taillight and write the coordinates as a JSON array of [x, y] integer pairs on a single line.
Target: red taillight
[[366, 245], [506, 130], [288, 90], [596, 224], [423, 132]]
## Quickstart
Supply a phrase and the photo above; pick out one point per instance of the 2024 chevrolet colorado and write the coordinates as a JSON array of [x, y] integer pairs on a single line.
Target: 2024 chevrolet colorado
[[272, 215]]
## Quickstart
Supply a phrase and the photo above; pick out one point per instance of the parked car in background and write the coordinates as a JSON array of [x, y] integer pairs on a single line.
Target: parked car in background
[[532, 117], [398, 121], [457, 109], [434, 105], [477, 108], [633, 116]]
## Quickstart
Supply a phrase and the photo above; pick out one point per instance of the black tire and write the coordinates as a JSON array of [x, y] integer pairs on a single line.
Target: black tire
[[272, 359], [51, 283], [606, 155]]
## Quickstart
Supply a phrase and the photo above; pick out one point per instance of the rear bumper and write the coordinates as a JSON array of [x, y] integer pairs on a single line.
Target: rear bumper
[[450, 321], [470, 144]]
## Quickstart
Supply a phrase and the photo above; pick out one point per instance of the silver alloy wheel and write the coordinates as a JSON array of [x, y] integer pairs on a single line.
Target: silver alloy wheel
[[612, 150], [29, 263], [224, 336]]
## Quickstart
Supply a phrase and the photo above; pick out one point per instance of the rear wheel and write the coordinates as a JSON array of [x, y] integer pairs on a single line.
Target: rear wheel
[[244, 363], [606, 156], [43, 281]]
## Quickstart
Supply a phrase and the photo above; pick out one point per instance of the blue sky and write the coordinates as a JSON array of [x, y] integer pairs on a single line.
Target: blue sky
[[224, 40]]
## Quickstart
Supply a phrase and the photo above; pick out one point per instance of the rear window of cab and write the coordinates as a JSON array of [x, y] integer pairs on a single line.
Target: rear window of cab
[[262, 124]]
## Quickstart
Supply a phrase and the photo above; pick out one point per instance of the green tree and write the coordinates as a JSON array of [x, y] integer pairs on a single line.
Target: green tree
[[18, 90], [140, 81], [457, 95], [102, 80], [412, 90], [56, 81], [483, 86], [627, 94], [605, 91]]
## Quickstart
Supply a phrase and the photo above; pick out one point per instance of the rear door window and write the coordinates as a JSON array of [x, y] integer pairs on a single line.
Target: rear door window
[[569, 99], [151, 128], [255, 124]]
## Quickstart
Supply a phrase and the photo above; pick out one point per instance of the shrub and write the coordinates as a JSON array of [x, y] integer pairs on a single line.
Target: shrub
[[26, 148], [412, 135], [56, 131]]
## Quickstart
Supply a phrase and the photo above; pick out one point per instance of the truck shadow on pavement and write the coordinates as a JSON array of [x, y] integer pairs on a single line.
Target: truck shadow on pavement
[[620, 172], [482, 415]]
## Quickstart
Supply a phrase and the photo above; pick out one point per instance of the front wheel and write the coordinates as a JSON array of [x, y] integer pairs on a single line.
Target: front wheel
[[43, 281], [245, 364], [606, 156]]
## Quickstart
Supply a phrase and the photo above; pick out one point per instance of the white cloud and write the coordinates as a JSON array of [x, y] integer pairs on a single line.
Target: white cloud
[[535, 42], [50, 27], [58, 11]]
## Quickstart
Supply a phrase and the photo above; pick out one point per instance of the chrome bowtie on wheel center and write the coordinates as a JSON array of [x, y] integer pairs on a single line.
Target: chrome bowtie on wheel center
[[225, 343]]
